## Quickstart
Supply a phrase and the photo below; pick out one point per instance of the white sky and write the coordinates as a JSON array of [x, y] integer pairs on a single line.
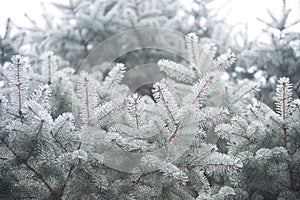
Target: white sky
[[16, 9], [239, 11]]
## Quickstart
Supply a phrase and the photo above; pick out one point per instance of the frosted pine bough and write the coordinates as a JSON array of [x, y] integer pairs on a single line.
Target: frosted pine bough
[[57, 147]]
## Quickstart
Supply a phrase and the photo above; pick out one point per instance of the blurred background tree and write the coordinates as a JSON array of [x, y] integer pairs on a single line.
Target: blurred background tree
[[9, 43], [273, 54], [82, 25]]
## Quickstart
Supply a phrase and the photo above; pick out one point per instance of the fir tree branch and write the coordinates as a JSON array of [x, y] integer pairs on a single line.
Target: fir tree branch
[[254, 113], [59, 129], [25, 161], [58, 142], [18, 64], [12, 196], [110, 110], [291, 175], [45, 93], [33, 112], [247, 91], [176, 71], [103, 116], [173, 134], [224, 61], [34, 142], [132, 106], [49, 69], [202, 155], [87, 93], [36, 173], [15, 115], [283, 97], [160, 91], [247, 144], [63, 187], [201, 179], [39, 176], [138, 179], [228, 132], [211, 117], [18, 82], [193, 50], [210, 164], [115, 76], [284, 128], [261, 107], [39, 131], [24, 178], [284, 102], [158, 127], [240, 124], [203, 86], [9, 148], [86, 102], [136, 114]]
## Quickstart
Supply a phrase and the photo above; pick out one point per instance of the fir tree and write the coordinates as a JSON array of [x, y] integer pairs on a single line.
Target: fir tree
[[66, 134], [267, 141]]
